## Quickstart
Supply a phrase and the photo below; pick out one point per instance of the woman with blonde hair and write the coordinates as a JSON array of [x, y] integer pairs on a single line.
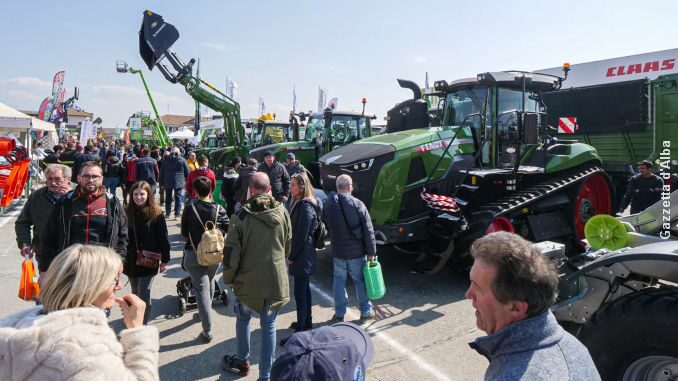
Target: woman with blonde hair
[[147, 234], [305, 215], [68, 337]]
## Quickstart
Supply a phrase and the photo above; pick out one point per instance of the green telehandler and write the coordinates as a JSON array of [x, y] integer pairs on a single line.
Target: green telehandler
[[156, 37]]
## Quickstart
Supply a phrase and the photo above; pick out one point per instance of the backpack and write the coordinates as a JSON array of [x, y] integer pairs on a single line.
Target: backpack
[[320, 234], [210, 250]]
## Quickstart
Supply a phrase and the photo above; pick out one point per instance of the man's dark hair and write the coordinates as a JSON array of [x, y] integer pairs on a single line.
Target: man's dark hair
[[202, 186], [89, 148], [58, 148], [202, 160], [93, 164], [70, 145], [523, 273], [235, 161], [646, 163], [252, 162]]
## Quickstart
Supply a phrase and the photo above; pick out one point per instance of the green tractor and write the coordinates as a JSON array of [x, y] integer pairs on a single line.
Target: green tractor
[[491, 165], [323, 133]]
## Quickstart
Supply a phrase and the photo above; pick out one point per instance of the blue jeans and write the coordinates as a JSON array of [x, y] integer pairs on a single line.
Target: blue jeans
[[111, 184], [242, 334], [177, 200], [354, 268]]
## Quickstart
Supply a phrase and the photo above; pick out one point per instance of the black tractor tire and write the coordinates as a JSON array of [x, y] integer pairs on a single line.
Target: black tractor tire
[[635, 326]]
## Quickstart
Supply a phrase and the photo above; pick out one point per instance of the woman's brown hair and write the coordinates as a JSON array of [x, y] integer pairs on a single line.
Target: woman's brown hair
[[149, 211]]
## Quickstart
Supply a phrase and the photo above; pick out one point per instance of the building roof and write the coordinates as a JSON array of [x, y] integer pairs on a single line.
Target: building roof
[[73, 112], [175, 120]]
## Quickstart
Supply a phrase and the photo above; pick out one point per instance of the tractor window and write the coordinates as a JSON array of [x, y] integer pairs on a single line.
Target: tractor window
[[343, 130], [417, 170], [509, 99], [314, 129], [459, 104]]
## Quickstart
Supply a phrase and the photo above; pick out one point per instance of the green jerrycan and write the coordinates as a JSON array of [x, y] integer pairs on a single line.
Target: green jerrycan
[[374, 280]]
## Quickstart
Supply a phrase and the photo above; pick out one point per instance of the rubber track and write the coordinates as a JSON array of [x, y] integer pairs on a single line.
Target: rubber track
[[535, 192]]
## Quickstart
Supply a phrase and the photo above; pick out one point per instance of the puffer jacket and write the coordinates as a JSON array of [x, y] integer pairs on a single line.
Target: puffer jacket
[[304, 219], [356, 239], [74, 344], [258, 241]]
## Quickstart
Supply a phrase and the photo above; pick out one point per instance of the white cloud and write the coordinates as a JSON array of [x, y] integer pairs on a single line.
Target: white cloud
[[216, 46], [33, 82], [21, 94], [421, 59]]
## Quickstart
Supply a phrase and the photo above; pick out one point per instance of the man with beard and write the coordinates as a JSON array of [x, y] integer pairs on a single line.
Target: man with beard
[[88, 215]]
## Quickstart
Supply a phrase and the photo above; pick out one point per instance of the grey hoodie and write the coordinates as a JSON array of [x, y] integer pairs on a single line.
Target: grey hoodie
[[535, 349]]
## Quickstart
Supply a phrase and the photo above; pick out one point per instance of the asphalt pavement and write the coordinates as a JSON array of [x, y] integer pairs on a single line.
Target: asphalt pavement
[[422, 330]]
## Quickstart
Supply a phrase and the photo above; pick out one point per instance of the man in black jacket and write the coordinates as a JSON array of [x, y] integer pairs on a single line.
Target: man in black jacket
[[231, 174], [38, 207], [87, 215], [81, 158], [353, 241], [644, 189], [147, 169], [173, 176], [280, 179]]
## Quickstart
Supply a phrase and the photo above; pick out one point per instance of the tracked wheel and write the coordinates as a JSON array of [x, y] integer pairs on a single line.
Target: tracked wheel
[[593, 196]]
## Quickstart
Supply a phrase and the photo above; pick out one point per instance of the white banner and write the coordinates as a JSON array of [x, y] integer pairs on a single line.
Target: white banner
[[322, 99], [85, 131]]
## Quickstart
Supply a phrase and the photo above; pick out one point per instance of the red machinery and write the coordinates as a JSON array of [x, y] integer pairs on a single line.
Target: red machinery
[[13, 173]]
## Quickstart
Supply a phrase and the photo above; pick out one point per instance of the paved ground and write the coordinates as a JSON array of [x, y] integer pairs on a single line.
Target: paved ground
[[422, 331]]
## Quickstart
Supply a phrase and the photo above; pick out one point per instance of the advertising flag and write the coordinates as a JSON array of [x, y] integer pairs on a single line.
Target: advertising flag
[[294, 98], [322, 99], [333, 103]]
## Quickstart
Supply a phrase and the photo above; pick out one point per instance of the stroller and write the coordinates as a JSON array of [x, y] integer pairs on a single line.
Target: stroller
[[187, 296]]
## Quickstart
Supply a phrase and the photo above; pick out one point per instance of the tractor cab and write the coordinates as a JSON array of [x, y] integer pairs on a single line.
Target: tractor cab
[[266, 132], [323, 132]]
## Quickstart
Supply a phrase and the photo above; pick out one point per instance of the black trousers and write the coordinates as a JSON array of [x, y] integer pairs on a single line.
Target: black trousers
[[302, 297]]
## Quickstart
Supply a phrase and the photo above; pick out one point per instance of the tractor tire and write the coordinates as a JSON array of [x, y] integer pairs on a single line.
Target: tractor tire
[[635, 334]]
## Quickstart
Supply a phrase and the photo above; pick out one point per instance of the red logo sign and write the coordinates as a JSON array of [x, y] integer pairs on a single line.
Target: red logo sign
[[646, 67]]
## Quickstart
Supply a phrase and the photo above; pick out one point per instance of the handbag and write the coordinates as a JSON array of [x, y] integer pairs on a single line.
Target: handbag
[[29, 289], [145, 258]]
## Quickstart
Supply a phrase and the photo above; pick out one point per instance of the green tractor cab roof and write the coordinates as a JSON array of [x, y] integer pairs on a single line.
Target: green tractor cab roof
[[344, 113], [508, 79]]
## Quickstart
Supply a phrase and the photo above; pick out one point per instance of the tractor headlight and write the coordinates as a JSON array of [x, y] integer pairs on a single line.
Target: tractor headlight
[[359, 166]]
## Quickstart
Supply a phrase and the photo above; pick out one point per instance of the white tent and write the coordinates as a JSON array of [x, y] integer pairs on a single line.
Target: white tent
[[181, 133], [16, 122]]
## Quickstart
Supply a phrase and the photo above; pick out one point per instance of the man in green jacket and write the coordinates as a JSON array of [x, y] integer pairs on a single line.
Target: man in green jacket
[[257, 244]]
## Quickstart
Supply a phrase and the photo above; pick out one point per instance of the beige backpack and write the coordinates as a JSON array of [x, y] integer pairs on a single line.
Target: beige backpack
[[210, 250]]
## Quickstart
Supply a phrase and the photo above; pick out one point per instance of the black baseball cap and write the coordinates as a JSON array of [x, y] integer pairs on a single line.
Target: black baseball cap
[[268, 152], [338, 352]]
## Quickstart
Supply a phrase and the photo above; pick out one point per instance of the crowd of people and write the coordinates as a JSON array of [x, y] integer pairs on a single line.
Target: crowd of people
[[84, 238]]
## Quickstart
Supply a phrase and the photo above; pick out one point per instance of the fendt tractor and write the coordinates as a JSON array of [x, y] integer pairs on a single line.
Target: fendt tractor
[[492, 165], [324, 133], [627, 108], [156, 37]]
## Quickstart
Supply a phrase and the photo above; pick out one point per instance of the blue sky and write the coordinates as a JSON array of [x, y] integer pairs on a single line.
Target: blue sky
[[352, 48]]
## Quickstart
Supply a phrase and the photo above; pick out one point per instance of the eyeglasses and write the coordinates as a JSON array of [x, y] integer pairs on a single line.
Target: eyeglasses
[[116, 281], [91, 177]]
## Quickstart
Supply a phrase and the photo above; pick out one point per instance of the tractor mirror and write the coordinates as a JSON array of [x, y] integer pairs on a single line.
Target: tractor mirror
[[530, 126], [76, 93]]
